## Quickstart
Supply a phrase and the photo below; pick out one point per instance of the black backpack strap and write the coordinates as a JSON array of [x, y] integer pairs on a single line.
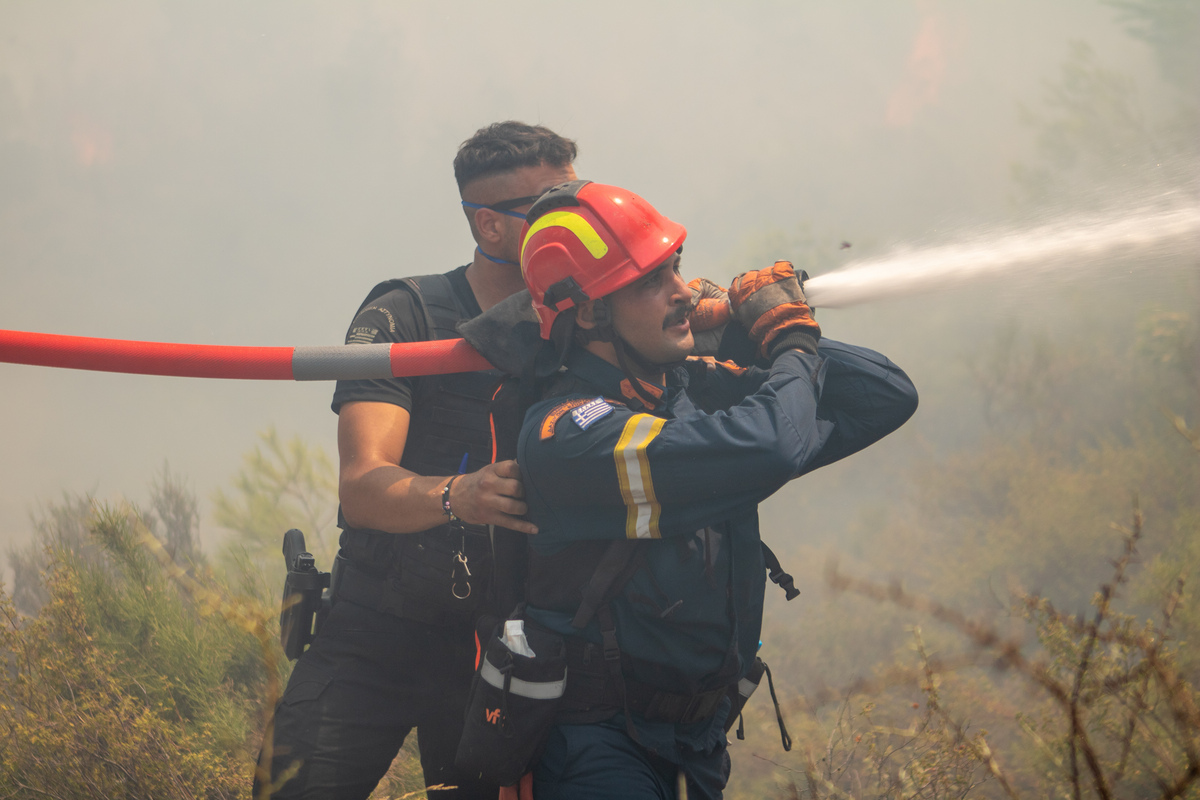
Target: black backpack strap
[[437, 297], [510, 559], [383, 288], [784, 736], [618, 564], [776, 573]]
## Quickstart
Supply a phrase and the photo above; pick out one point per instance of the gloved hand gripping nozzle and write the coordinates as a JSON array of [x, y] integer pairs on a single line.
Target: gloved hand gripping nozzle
[[770, 304]]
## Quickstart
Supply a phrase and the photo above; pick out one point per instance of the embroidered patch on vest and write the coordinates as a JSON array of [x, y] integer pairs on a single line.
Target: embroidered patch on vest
[[362, 335], [585, 415], [551, 419]]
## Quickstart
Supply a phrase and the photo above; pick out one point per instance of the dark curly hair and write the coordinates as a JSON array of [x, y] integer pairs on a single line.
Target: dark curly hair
[[505, 146]]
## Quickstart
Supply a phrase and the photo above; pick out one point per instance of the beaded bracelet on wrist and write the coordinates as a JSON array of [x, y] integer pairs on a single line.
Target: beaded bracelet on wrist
[[446, 500]]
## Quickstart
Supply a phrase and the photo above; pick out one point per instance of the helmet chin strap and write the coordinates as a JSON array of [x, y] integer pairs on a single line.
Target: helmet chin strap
[[625, 352], [604, 331]]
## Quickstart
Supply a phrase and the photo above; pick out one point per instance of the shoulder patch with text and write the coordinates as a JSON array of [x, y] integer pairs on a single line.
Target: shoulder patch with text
[[556, 413], [588, 413]]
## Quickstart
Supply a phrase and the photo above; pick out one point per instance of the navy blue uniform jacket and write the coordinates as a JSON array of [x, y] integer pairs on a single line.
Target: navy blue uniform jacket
[[688, 478]]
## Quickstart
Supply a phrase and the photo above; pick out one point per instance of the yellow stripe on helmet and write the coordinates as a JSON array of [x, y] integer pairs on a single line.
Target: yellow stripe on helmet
[[642, 508], [575, 224]]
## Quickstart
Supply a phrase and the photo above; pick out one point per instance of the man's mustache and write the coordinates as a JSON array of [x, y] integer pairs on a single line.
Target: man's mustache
[[678, 315]]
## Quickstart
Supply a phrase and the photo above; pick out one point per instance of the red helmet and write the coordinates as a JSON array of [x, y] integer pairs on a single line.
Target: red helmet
[[584, 240]]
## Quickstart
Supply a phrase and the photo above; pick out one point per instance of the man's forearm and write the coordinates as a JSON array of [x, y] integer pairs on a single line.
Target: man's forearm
[[865, 395], [392, 499]]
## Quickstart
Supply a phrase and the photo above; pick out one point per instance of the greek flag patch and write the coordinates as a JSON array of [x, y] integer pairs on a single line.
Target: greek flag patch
[[586, 414]]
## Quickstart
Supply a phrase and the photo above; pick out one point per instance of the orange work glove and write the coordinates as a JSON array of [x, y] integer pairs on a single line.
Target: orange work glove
[[709, 315], [710, 305], [771, 306]]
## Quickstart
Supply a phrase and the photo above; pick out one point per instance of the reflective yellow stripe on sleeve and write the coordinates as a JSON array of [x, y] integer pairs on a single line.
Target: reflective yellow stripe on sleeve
[[633, 473]]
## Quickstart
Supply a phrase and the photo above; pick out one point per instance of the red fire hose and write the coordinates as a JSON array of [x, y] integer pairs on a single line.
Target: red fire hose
[[357, 362]]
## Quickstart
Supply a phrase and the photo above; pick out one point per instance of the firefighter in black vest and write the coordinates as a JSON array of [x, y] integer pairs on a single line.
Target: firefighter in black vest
[[637, 452], [418, 493]]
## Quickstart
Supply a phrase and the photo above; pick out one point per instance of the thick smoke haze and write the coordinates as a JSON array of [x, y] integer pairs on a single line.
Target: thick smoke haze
[[233, 173]]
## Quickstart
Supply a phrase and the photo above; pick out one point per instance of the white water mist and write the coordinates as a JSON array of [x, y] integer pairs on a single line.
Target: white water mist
[[1078, 244]]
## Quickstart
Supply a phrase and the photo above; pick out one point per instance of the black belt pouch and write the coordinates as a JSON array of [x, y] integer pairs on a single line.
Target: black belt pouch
[[513, 702]]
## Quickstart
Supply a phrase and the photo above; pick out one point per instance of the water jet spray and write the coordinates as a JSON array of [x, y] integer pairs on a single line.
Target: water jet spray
[[1072, 244]]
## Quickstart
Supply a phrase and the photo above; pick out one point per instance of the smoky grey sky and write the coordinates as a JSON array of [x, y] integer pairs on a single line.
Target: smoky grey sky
[[242, 173]]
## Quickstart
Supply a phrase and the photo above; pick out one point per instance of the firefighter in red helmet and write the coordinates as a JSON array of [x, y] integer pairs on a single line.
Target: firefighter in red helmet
[[643, 470]]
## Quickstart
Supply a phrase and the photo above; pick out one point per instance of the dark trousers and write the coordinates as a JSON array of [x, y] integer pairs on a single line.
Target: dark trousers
[[364, 683], [601, 762]]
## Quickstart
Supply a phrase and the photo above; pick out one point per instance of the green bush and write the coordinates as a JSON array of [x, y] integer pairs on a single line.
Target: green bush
[[127, 682]]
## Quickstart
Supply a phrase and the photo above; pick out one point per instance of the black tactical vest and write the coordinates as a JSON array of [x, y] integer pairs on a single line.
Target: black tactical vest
[[449, 419]]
